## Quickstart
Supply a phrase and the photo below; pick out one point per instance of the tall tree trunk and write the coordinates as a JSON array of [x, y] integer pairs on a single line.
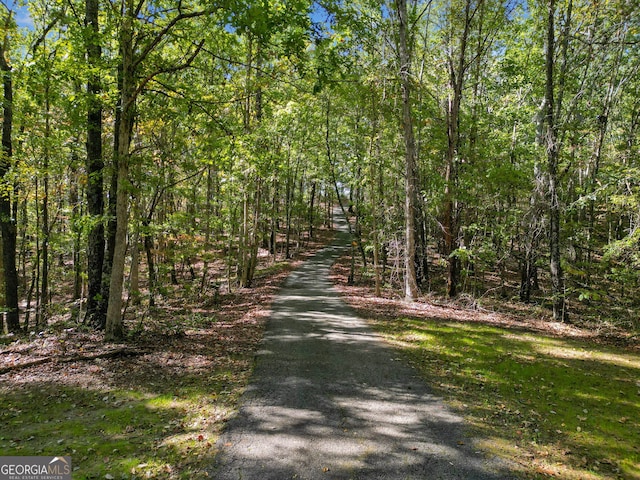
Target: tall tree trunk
[[533, 227], [44, 279], [243, 250], [114, 329], [8, 226], [290, 185], [422, 258], [312, 200], [275, 211], [252, 260], [111, 220], [134, 283], [457, 69], [151, 266], [553, 151], [95, 175], [76, 230], [375, 176], [410, 279], [2, 294]]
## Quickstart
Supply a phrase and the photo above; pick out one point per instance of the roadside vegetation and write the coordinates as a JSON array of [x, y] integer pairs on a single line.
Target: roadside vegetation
[[151, 406], [558, 407], [556, 400], [148, 408]]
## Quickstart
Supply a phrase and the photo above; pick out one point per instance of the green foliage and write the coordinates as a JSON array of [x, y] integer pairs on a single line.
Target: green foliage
[[626, 251], [285, 97]]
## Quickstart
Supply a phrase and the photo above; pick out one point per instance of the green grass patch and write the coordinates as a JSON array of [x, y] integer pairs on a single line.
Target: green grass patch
[[121, 433], [557, 407]]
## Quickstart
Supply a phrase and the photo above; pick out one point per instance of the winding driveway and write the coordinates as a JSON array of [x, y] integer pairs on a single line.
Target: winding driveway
[[330, 400]]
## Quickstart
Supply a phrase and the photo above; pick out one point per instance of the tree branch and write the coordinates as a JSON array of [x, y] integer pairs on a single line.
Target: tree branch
[[149, 48], [160, 71]]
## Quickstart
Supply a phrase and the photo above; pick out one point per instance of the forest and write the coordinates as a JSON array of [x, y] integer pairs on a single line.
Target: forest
[[483, 149]]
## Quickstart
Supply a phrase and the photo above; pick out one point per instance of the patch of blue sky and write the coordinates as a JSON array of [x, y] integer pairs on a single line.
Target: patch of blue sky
[[19, 11], [321, 19], [23, 18]]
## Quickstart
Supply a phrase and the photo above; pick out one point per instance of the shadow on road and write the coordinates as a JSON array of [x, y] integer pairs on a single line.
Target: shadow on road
[[329, 399]]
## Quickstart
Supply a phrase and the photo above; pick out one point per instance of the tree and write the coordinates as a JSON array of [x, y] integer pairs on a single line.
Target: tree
[[133, 57], [552, 145], [410, 282], [7, 219], [95, 169]]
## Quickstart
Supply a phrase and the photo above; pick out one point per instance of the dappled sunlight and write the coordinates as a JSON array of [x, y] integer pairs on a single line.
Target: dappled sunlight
[[148, 413], [561, 348], [562, 407], [351, 432], [330, 399], [566, 351], [152, 407], [132, 432]]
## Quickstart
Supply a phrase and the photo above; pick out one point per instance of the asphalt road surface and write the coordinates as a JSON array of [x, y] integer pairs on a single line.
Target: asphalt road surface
[[330, 400]]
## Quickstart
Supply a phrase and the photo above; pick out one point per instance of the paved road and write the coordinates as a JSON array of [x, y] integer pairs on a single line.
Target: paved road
[[329, 400]]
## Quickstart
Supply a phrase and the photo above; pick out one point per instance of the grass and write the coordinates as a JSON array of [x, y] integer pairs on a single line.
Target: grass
[[156, 413], [556, 407], [121, 433]]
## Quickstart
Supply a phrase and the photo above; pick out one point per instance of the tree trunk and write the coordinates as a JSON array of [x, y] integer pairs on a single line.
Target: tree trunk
[[151, 266], [290, 186], [422, 258], [244, 239], [312, 208], [252, 261], [375, 176], [410, 279], [553, 150], [7, 220], [95, 176], [44, 279], [533, 227], [2, 293], [114, 329], [135, 271], [76, 213], [275, 210], [457, 69]]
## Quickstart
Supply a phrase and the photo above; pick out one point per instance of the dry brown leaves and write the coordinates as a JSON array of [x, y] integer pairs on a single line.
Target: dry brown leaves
[[495, 312], [163, 348]]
